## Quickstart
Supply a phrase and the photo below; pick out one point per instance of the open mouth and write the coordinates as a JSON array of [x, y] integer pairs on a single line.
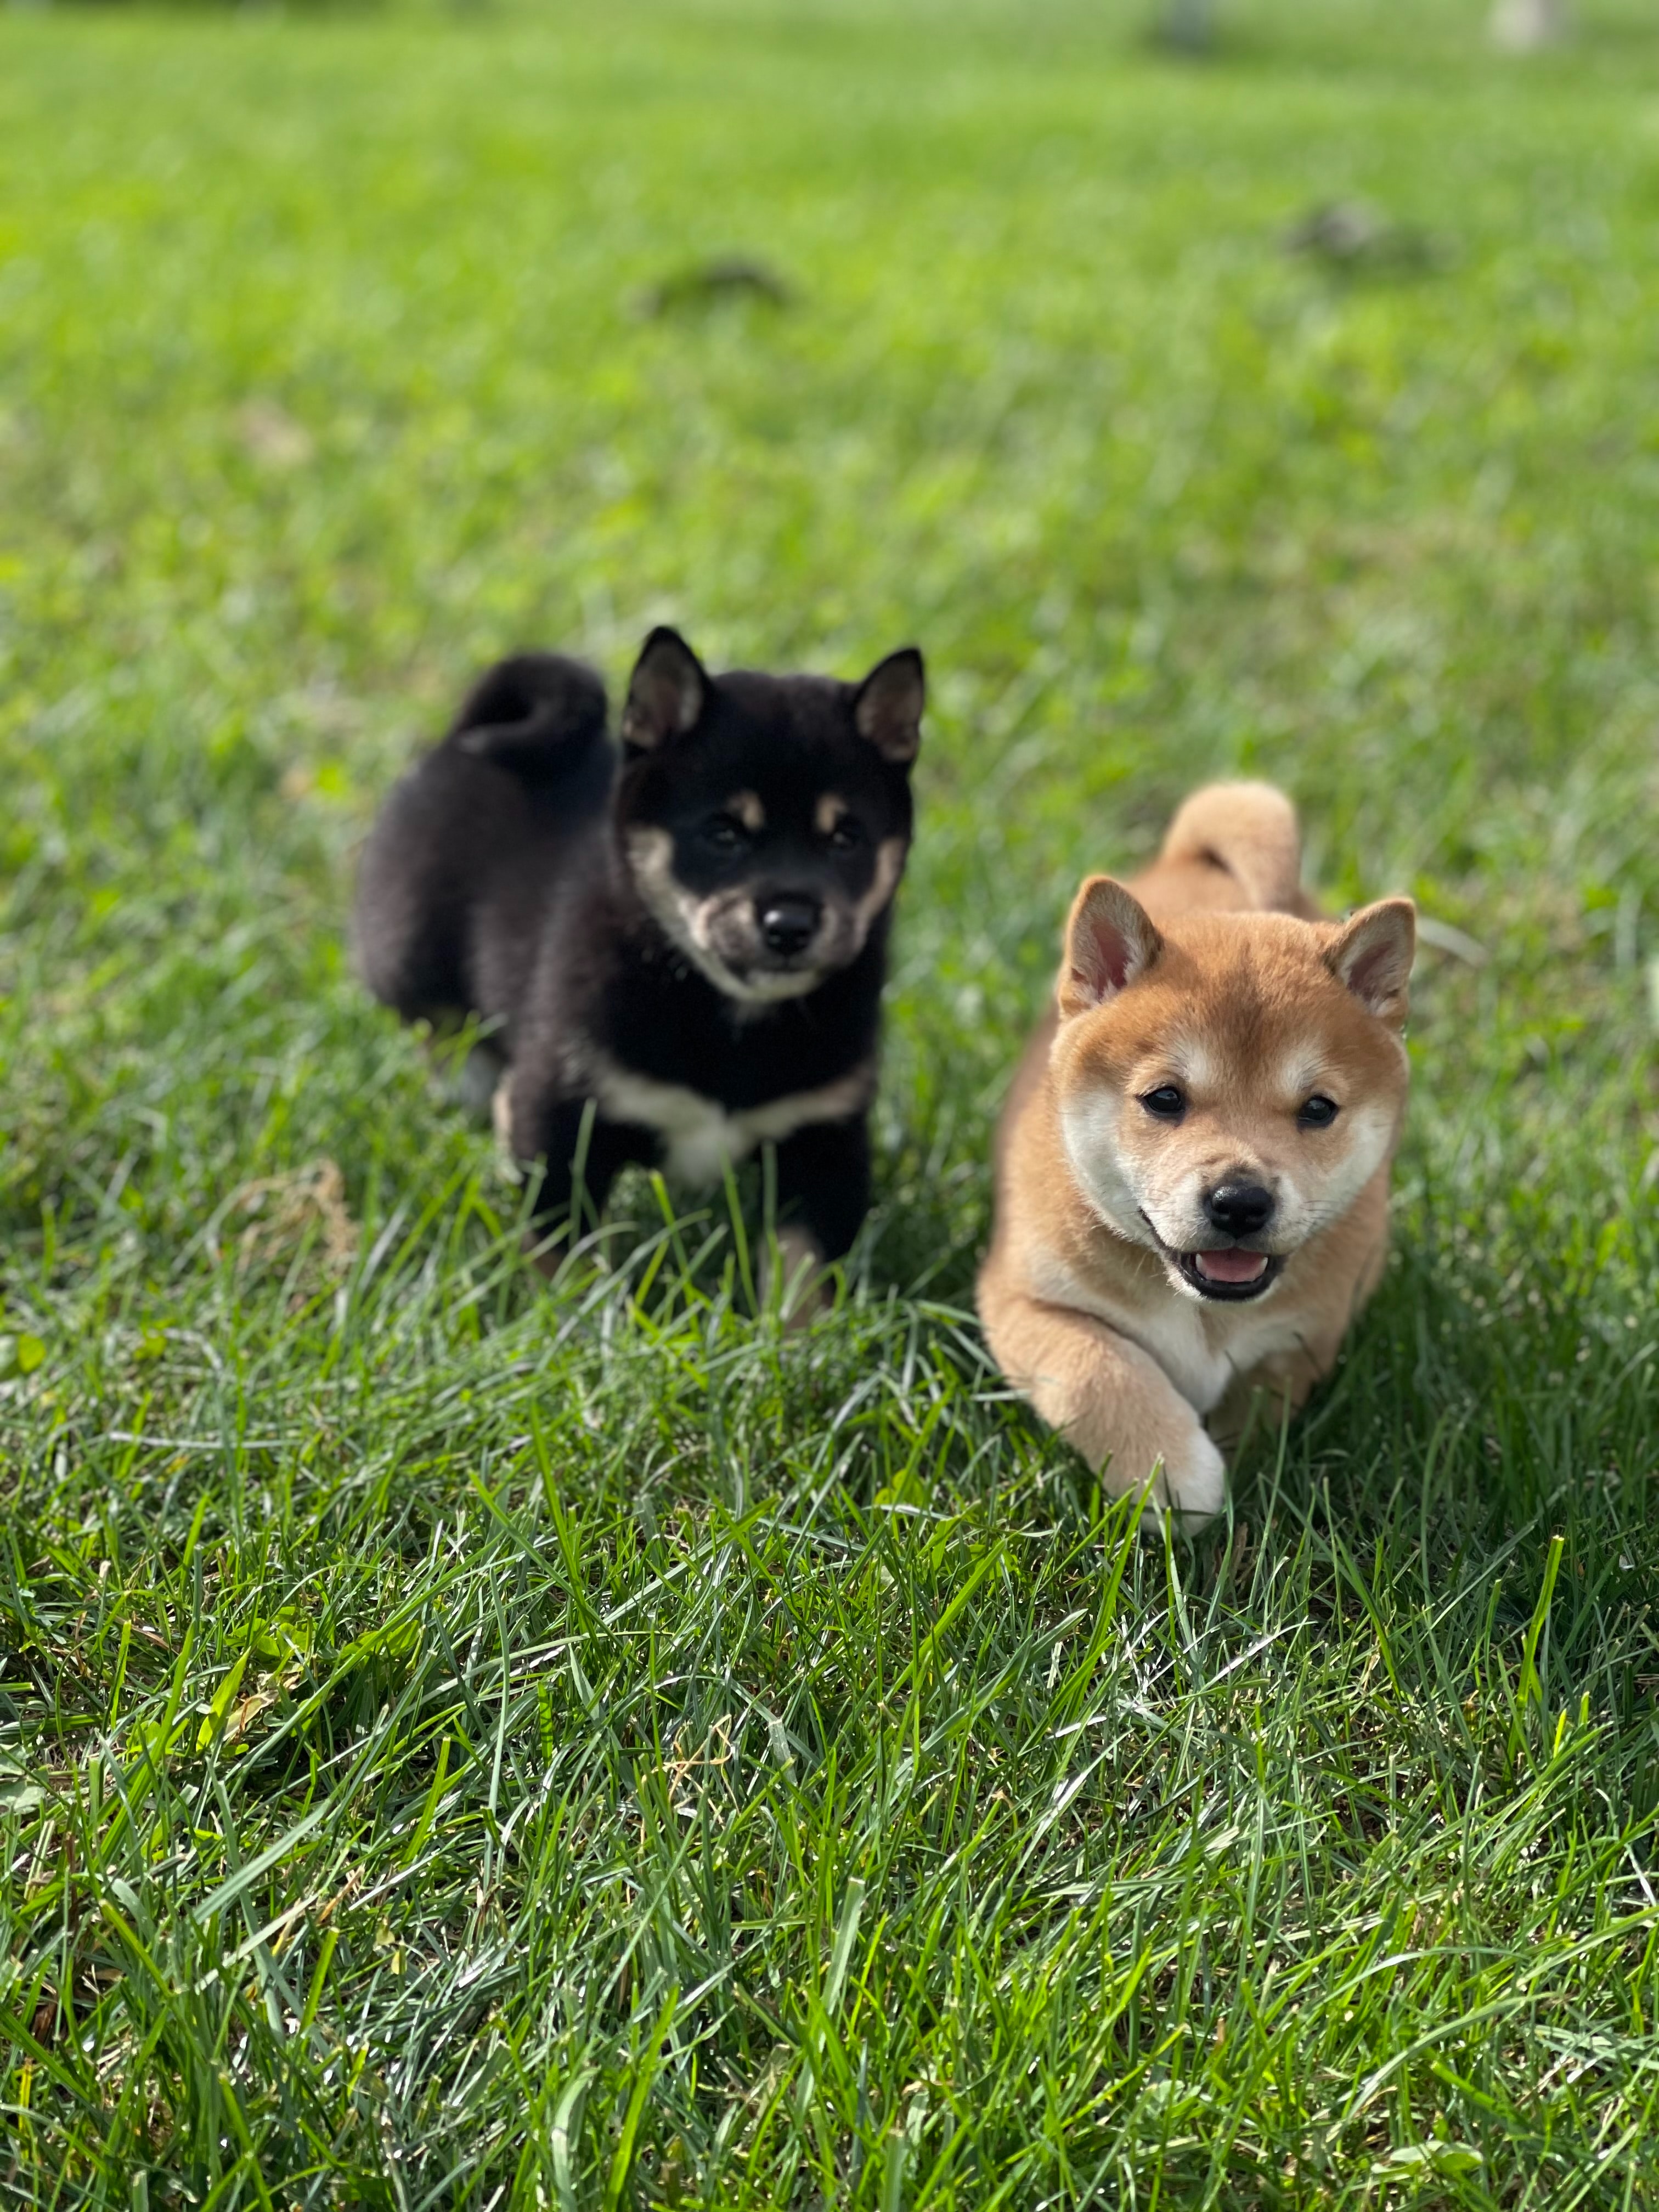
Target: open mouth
[[1230, 1274]]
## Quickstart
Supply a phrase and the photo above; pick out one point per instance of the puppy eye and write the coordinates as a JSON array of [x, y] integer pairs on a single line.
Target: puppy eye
[[725, 831], [1317, 1112], [1168, 1103], [846, 835]]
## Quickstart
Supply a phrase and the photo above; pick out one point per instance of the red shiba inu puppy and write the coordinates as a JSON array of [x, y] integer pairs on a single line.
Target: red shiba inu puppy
[[1192, 1169]]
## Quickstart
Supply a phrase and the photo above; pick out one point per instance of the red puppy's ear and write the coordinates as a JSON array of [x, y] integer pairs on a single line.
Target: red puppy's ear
[[1372, 954], [1110, 941], [667, 693]]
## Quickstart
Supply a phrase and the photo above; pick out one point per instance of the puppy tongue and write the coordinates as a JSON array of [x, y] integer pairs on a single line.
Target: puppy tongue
[[1231, 1265]]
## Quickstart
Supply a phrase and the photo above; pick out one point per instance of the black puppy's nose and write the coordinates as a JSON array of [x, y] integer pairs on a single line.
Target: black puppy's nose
[[1239, 1209], [789, 925]]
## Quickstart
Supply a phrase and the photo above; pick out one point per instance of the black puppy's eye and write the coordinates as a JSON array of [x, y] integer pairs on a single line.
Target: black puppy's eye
[[847, 835], [725, 831], [1168, 1103], [1317, 1112]]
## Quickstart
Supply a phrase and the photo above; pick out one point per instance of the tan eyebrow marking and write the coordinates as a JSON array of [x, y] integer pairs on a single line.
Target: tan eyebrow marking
[[1300, 1072], [829, 811], [1195, 1064], [748, 808]]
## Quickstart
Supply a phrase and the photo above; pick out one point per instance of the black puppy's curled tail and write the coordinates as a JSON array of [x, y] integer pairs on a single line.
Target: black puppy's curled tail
[[535, 714], [527, 752]]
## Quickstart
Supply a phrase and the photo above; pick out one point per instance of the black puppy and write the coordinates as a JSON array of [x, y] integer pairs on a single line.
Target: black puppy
[[690, 934]]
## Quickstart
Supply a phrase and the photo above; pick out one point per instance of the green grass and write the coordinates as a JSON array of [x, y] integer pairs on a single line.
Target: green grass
[[466, 1745]]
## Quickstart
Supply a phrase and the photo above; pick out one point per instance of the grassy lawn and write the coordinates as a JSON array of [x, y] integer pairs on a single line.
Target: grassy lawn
[[462, 1744]]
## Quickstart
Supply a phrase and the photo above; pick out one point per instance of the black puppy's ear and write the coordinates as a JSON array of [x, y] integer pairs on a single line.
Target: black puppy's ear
[[535, 711], [888, 708], [667, 693]]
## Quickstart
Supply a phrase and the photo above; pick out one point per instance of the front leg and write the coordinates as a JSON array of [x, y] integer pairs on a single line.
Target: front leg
[[824, 1183], [1106, 1396], [822, 1196], [548, 1131]]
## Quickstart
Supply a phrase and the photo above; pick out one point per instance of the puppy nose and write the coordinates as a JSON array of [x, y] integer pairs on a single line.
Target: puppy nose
[[1239, 1209], [788, 924]]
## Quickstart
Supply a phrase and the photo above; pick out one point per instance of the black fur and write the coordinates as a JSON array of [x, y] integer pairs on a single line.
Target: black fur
[[629, 912]]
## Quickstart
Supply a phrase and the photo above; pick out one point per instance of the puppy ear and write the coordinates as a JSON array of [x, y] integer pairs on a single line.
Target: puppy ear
[[1372, 956], [667, 693], [1110, 941], [888, 704]]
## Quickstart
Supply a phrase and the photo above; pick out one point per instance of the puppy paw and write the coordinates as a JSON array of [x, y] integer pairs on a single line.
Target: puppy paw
[[1191, 1481], [501, 1122], [792, 1282], [468, 1080]]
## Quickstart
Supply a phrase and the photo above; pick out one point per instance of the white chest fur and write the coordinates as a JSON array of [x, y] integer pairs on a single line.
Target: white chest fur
[[1200, 1348], [701, 1138]]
